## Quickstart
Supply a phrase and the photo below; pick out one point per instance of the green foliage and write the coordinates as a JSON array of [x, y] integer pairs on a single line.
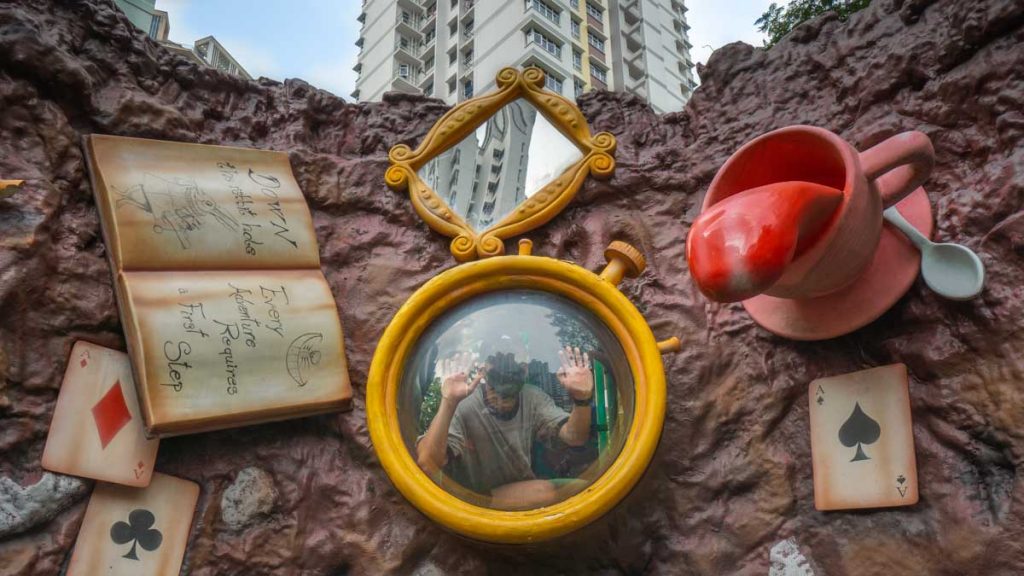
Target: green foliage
[[779, 21], [431, 403]]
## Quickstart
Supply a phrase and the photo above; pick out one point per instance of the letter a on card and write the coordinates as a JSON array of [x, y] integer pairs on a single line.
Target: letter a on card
[[97, 430], [862, 442]]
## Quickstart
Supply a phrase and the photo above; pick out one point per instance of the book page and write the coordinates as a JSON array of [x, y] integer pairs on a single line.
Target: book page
[[173, 206], [222, 349]]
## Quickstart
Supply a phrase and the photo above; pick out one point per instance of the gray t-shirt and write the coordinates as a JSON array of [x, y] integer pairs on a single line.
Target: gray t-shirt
[[487, 452]]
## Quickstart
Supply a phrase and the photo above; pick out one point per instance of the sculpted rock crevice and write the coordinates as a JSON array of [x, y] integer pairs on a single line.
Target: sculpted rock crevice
[[730, 488]]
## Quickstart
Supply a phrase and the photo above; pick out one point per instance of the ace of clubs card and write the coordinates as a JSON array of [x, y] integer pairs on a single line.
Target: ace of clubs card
[[135, 531], [862, 442], [97, 429]]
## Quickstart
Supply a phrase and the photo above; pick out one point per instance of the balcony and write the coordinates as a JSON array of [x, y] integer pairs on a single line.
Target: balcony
[[467, 32], [429, 20], [407, 52], [595, 23], [427, 78], [467, 9], [427, 46], [545, 44], [545, 10], [411, 5], [409, 25]]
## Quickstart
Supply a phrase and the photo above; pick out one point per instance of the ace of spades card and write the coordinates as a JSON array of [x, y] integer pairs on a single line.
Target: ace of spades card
[[135, 531], [97, 429], [862, 443]]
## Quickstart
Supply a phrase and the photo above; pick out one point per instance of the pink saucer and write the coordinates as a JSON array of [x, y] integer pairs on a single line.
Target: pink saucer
[[886, 279]]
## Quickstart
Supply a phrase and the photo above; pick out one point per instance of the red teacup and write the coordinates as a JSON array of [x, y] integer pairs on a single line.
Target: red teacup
[[843, 248]]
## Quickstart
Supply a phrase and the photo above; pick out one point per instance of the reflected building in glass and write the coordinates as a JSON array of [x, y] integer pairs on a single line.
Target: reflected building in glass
[[485, 175]]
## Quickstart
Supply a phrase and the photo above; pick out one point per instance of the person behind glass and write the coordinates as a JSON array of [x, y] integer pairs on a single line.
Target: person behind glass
[[490, 434]]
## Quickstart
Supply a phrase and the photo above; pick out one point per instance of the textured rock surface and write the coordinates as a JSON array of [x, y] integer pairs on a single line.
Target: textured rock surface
[[249, 496], [732, 477], [24, 507]]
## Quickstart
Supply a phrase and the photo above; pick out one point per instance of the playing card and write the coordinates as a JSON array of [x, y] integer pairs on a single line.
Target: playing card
[[862, 442], [135, 531], [97, 428]]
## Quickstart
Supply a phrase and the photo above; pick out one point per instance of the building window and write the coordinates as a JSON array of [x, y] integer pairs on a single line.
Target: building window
[[451, 86], [429, 90], [455, 4], [596, 42], [404, 43], [429, 64], [453, 29], [577, 60], [552, 83], [549, 12], [429, 36], [452, 56], [467, 57], [154, 27], [467, 89], [575, 29], [599, 73], [574, 3], [544, 42], [578, 86], [403, 71], [594, 11]]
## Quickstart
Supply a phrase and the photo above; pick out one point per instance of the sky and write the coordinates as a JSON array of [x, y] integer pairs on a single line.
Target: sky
[[315, 39]]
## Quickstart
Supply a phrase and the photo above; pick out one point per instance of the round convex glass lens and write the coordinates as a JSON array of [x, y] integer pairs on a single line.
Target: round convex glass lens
[[516, 400]]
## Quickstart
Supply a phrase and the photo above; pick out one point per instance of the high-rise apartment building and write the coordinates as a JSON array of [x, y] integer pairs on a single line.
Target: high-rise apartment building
[[156, 24], [452, 49]]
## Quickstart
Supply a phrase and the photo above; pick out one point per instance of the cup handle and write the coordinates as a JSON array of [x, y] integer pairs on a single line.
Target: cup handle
[[899, 165]]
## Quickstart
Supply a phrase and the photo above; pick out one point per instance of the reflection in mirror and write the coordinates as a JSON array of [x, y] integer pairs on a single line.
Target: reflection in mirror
[[506, 160], [516, 400]]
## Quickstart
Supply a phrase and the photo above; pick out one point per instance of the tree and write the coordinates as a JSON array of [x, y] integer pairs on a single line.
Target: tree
[[778, 21]]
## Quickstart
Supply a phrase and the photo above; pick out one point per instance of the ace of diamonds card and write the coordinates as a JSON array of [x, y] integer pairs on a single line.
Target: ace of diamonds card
[[862, 443], [97, 430]]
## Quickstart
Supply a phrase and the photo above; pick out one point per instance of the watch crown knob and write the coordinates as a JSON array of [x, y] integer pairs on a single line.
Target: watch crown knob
[[623, 260]]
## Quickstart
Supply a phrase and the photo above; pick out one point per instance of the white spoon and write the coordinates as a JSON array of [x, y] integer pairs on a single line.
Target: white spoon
[[951, 270]]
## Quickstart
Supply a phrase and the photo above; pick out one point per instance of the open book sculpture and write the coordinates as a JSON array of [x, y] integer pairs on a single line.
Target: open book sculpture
[[228, 318]]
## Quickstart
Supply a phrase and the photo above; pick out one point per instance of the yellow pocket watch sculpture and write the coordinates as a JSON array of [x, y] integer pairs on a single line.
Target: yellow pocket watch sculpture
[[514, 398]]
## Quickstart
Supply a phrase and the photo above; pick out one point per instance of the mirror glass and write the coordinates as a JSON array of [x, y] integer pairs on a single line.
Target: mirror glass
[[516, 400], [506, 160]]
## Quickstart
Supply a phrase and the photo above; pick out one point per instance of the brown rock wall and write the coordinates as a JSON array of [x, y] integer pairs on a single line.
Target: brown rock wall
[[732, 477]]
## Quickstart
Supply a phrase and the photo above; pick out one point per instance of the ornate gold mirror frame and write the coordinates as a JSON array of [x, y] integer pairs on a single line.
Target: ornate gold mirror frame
[[469, 244]]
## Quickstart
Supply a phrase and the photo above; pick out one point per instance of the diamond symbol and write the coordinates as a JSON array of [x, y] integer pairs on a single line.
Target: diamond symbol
[[84, 362], [111, 414]]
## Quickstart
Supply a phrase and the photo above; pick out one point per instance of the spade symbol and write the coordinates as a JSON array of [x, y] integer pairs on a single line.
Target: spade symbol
[[859, 429], [139, 531]]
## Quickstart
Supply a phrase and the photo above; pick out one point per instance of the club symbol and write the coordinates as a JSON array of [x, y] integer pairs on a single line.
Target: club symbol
[[139, 531], [859, 429]]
